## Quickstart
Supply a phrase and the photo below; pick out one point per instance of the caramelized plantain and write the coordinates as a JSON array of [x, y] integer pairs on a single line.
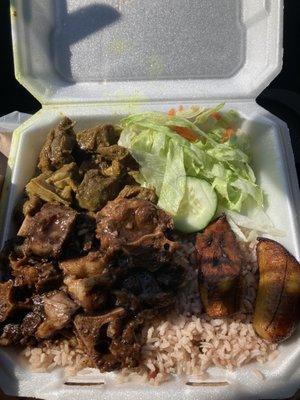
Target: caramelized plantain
[[278, 294], [219, 266]]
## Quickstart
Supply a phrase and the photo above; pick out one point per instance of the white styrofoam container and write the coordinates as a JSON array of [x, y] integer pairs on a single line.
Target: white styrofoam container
[[100, 60]]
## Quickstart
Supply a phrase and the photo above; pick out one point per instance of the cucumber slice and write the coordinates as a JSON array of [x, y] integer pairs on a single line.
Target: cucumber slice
[[197, 207]]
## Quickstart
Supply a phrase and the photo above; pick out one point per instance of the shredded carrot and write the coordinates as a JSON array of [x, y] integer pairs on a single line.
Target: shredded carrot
[[228, 134], [186, 133], [216, 115], [171, 112]]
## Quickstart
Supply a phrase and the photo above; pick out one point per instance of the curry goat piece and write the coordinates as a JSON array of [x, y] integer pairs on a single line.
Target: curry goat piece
[[219, 268], [83, 170], [94, 259]]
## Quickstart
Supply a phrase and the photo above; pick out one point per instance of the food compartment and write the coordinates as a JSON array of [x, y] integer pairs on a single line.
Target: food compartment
[[266, 136]]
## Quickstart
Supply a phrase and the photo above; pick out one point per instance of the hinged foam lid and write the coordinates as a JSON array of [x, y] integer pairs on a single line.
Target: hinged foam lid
[[73, 51]]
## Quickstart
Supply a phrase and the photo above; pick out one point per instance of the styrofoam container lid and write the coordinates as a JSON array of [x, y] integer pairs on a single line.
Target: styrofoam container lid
[[75, 51]]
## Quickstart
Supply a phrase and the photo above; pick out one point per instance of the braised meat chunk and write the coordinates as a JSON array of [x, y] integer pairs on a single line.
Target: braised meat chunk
[[105, 171], [58, 309], [220, 260], [30, 324], [90, 293], [139, 192], [11, 334], [88, 327], [138, 229], [6, 300], [32, 205], [41, 276], [47, 231], [82, 238], [93, 139], [144, 285], [128, 222], [119, 154], [8, 251], [278, 295], [110, 343], [59, 186], [86, 266], [95, 190], [33, 319], [12, 313], [58, 147]]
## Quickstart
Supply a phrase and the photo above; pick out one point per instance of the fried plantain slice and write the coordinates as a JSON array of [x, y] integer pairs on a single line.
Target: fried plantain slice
[[278, 294], [219, 267]]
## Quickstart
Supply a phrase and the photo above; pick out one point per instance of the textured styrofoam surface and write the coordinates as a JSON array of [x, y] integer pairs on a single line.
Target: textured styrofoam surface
[[274, 166], [113, 50], [144, 40]]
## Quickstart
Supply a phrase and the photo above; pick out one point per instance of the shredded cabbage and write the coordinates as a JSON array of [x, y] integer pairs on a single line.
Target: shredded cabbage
[[166, 158], [251, 224], [201, 143]]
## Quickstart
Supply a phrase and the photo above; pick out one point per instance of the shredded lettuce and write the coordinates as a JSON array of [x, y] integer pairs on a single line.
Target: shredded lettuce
[[166, 157], [173, 186], [252, 223]]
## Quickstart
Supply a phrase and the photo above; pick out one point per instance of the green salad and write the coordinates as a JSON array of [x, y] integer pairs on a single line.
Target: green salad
[[196, 160]]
